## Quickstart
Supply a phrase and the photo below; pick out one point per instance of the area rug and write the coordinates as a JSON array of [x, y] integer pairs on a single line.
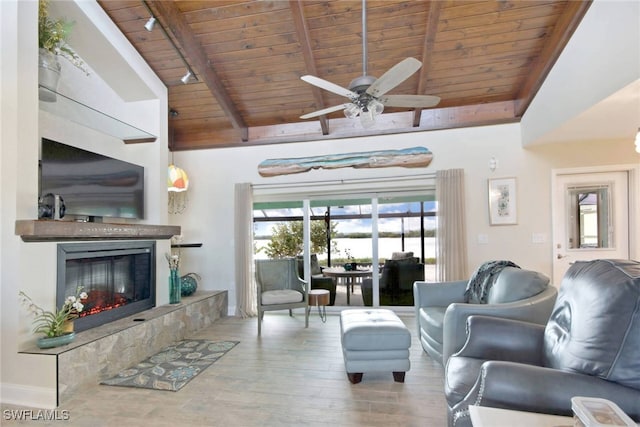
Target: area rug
[[173, 367]]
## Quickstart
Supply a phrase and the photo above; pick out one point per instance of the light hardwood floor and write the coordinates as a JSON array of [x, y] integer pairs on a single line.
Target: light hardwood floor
[[291, 376]]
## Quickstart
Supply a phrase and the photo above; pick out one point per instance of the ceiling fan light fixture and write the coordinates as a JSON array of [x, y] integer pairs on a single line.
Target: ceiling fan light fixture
[[375, 107], [352, 111], [150, 24], [367, 119], [185, 79]]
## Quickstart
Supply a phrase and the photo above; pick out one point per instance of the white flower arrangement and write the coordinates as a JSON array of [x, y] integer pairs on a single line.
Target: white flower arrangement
[[173, 260], [51, 323]]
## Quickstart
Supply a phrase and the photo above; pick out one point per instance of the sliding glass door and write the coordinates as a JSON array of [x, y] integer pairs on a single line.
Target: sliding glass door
[[373, 247]]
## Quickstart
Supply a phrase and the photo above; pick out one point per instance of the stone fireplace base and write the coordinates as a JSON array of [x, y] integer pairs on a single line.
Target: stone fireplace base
[[104, 351]]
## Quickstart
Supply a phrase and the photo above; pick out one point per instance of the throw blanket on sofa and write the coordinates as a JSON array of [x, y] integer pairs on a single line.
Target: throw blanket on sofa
[[482, 279]]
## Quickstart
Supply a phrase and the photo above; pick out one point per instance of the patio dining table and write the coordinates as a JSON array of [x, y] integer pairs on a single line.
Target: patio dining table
[[349, 275]]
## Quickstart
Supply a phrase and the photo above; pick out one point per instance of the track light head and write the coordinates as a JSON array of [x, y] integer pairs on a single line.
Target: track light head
[[150, 24], [185, 79]]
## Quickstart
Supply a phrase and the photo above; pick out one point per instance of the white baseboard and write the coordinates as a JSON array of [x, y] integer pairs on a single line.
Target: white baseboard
[[33, 397]]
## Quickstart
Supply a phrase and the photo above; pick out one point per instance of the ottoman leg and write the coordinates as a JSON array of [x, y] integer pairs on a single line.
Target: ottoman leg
[[355, 377], [398, 377]]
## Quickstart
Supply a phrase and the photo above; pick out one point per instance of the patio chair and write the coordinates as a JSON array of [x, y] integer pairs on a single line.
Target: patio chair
[[279, 288]]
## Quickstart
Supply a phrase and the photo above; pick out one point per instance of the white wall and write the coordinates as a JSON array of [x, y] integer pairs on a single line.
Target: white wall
[[601, 58], [31, 379]]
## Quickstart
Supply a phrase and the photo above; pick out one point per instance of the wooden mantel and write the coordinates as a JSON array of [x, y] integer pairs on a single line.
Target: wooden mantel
[[50, 230]]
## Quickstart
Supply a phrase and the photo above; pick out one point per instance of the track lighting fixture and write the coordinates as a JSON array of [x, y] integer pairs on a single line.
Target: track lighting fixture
[[186, 77], [150, 24]]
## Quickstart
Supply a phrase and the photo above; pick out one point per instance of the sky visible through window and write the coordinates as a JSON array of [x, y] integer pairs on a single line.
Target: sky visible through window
[[358, 225]]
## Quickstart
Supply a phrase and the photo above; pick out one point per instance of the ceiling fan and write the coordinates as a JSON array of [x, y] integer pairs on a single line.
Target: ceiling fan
[[367, 94]]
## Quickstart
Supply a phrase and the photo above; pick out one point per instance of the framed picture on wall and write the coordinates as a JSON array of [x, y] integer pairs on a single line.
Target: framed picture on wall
[[502, 201]]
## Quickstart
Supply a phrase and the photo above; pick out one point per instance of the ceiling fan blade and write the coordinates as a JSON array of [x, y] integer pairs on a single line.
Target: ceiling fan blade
[[331, 87], [394, 76], [411, 101], [324, 111]]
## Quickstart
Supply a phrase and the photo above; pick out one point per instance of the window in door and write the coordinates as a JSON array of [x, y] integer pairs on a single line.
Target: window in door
[[589, 218]]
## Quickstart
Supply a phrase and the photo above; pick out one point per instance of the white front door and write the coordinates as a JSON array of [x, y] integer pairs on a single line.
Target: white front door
[[590, 214]]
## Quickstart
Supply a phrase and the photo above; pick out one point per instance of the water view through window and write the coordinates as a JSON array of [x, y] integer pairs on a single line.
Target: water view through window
[[341, 232]]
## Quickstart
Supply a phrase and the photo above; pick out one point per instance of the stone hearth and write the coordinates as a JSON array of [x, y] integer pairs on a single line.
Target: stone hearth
[[101, 352]]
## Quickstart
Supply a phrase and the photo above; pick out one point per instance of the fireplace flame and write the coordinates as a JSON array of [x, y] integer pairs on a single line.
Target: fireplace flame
[[99, 301]]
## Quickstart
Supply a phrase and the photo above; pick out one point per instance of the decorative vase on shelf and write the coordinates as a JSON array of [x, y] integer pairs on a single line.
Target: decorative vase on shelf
[[189, 284], [51, 342], [48, 75], [175, 292]]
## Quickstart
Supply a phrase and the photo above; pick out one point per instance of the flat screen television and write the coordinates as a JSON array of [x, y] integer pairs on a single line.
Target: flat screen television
[[91, 184]]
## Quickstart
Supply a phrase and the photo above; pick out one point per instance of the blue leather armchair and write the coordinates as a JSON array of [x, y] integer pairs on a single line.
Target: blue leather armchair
[[442, 310], [589, 347]]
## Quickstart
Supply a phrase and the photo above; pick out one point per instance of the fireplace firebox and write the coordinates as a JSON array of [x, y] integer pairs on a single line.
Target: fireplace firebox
[[118, 277]]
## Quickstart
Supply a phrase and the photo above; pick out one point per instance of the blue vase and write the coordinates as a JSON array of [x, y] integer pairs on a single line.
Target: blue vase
[[189, 285], [175, 292], [50, 342]]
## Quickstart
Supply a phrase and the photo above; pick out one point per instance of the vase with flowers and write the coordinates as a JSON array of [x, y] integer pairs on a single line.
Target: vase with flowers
[[53, 36], [55, 325], [350, 265], [175, 285]]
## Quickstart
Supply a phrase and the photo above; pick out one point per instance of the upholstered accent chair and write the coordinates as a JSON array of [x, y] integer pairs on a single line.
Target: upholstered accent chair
[[589, 347], [396, 280], [279, 287], [442, 309], [318, 281]]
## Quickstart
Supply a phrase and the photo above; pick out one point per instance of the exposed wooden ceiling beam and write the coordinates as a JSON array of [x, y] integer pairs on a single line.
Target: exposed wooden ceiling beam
[[391, 123], [168, 13], [562, 32], [427, 47], [300, 23]]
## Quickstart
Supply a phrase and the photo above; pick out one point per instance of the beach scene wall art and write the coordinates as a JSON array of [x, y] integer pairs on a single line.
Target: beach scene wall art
[[414, 157]]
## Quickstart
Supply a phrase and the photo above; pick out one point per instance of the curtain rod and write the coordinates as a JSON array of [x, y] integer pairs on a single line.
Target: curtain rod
[[346, 181]]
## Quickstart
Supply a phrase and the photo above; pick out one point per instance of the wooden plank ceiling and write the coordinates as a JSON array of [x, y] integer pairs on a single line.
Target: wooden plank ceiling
[[484, 59]]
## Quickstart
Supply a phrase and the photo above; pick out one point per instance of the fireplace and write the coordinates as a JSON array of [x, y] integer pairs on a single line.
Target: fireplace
[[118, 277]]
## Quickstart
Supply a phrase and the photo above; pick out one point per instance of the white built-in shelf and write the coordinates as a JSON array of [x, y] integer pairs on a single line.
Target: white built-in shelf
[[77, 112]]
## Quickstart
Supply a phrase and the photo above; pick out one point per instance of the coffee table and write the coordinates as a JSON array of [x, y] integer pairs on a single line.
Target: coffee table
[[484, 416], [349, 275]]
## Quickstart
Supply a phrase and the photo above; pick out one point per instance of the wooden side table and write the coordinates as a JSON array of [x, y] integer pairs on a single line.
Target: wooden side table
[[319, 298]]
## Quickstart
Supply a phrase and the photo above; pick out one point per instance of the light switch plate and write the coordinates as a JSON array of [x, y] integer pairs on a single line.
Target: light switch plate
[[538, 238]]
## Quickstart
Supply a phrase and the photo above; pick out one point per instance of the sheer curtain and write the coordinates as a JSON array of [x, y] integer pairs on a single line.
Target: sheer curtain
[[245, 286], [451, 242]]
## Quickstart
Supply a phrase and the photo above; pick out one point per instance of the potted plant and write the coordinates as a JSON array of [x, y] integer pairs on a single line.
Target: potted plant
[[56, 325], [53, 35]]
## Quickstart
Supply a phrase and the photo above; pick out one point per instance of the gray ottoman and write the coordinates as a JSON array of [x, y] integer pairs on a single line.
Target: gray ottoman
[[374, 340]]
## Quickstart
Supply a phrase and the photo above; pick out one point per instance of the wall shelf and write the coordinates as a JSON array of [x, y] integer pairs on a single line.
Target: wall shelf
[[77, 112], [51, 230], [187, 245]]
